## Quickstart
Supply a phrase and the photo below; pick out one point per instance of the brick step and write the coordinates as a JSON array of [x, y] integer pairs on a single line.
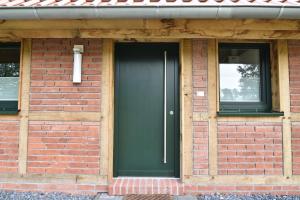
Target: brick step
[[124, 186]]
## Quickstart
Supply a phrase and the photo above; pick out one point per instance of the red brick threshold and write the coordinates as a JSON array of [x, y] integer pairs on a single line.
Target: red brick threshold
[[145, 185]]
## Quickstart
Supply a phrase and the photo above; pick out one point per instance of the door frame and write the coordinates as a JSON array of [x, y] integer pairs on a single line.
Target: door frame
[[185, 106]]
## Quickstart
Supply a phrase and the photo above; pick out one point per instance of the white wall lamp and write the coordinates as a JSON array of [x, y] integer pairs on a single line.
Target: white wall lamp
[[77, 50]]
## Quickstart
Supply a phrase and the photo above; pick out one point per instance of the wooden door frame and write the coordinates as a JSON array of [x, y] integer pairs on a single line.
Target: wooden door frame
[[107, 108]]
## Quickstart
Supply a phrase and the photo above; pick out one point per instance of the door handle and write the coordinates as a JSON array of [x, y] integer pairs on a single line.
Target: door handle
[[165, 107]]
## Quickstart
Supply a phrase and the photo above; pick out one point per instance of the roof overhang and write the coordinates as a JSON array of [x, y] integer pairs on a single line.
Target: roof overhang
[[152, 12]]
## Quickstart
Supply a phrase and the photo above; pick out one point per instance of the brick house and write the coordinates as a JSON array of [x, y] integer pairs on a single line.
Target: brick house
[[178, 97]]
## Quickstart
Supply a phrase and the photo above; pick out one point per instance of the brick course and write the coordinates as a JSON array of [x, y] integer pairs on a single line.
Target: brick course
[[9, 146], [63, 147], [52, 88], [249, 148]]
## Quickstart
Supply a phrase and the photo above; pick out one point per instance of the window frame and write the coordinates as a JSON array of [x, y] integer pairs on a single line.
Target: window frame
[[265, 103], [12, 106]]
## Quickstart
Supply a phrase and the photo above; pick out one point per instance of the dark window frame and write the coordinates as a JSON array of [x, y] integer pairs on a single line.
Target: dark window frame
[[265, 103], [11, 107]]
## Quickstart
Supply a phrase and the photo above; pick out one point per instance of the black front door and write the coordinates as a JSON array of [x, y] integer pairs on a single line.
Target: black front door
[[146, 110]]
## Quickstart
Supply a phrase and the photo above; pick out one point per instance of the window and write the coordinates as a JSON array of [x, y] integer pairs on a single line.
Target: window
[[9, 77], [244, 71]]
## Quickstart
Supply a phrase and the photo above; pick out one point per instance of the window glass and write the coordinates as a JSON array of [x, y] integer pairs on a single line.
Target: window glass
[[244, 77], [240, 75], [9, 72]]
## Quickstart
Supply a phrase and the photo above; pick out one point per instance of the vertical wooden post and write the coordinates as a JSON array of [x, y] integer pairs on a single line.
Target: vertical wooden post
[[212, 107], [24, 105], [283, 73], [186, 97], [107, 110]]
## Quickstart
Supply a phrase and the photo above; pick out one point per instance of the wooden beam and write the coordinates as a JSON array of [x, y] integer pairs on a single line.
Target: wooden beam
[[295, 117], [53, 178], [9, 117], [244, 180], [25, 79], [255, 119], [212, 107], [186, 109], [196, 180], [274, 77], [128, 34], [65, 116], [107, 110], [284, 85], [189, 24]]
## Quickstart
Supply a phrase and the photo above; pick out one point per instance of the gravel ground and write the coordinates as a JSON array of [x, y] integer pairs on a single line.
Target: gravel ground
[[247, 197], [5, 195], [9, 195]]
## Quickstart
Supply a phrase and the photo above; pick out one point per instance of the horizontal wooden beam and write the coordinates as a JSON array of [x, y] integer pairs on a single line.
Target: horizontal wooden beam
[[244, 180], [197, 180], [189, 24], [65, 116], [131, 34], [204, 116], [55, 178]]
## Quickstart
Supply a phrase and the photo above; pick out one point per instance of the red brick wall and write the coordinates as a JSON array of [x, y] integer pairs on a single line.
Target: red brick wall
[[200, 148], [9, 146], [51, 76], [200, 128], [294, 67], [63, 147], [249, 148], [200, 104], [296, 147]]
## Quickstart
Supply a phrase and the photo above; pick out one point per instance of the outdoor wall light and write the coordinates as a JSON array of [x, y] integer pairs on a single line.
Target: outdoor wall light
[[77, 50]]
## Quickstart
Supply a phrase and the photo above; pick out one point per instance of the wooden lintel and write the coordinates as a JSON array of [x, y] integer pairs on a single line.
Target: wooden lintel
[[129, 34], [189, 24]]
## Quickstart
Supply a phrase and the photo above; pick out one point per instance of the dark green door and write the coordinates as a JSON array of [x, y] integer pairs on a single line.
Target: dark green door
[[146, 137]]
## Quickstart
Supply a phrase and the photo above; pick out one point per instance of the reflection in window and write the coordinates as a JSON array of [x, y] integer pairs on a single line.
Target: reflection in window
[[9, 72], [240, 74]]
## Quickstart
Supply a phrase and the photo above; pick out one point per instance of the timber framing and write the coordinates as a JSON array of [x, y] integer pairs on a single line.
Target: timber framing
[[186, 96], [283, 72], [150, 28], [160, 31], [24, 105], [212, 107], [107, 109]]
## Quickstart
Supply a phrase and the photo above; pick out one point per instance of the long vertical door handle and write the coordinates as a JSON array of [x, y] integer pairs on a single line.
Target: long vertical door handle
[[165, 107]]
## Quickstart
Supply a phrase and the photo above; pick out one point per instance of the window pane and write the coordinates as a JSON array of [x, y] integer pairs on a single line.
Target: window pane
[[240, 75], [9, 88], [9, 72]]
